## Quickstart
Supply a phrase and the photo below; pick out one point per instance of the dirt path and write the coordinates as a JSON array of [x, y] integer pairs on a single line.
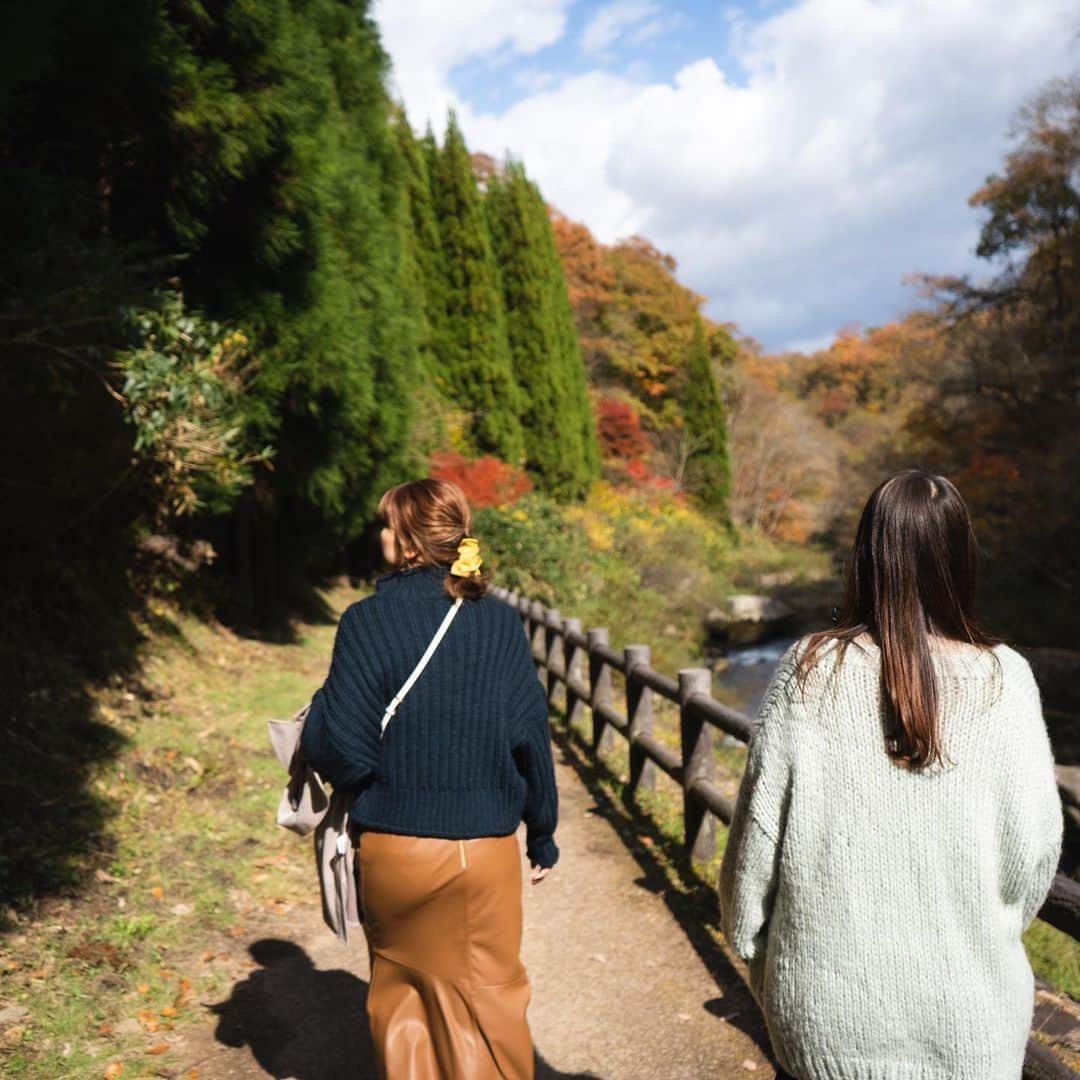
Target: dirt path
[[619, 991]]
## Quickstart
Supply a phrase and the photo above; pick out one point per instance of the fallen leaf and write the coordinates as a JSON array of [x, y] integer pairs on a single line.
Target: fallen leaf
[[208, 955], [158, 1048], [41, 973], [12, 1013], [157, 892], [143, 988], [97, 954], [191, 1074], [113, 1070], [238, 931], [750, 1066], [106, 878], [168, 1011], [13, 1035], [148, 1020], [105, 1029], [183, 994]]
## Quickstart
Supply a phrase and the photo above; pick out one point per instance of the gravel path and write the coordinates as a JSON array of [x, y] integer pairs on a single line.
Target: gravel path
[[620, 992]]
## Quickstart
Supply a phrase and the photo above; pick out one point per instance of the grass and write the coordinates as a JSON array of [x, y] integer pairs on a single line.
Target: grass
[[102, 981]]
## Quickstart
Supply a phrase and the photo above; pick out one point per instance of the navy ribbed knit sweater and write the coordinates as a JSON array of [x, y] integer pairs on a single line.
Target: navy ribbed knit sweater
[[468, 753]]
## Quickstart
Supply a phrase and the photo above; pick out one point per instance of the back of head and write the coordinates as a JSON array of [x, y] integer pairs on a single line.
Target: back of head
[[432, 518], [911, 576]]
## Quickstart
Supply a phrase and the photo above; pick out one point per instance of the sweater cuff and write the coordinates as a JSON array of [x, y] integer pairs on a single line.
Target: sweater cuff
[[542, 851]]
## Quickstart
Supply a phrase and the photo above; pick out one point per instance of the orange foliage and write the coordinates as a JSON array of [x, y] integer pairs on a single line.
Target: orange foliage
[[486, 481], [590, 281], [634, 319], [864, 370]]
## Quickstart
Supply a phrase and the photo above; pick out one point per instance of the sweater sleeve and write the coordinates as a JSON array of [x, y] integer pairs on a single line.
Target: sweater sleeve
[[341, 733], [1033, 827], [748, 873], [531, 747]]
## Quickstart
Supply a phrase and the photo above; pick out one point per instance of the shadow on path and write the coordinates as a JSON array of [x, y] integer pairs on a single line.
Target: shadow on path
[[695, 910], [308, 1024]]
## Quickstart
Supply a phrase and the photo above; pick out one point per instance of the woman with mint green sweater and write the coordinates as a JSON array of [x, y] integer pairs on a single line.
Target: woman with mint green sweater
[[898, 825]]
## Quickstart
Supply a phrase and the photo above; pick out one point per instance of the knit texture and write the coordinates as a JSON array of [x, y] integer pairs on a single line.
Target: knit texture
[[468, 753], [880, 909]]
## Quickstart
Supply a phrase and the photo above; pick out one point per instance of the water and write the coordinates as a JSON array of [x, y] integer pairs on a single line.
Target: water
[[749, 668]]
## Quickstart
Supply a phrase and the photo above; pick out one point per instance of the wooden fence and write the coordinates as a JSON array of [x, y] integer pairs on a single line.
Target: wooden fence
[[582, 661]]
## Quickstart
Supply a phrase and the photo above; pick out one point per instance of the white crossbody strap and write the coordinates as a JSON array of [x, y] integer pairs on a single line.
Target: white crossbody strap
[[417, 671]]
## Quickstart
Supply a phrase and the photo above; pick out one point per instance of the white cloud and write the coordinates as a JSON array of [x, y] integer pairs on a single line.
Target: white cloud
[[533, 80], [796, 198], [654, 28], [427, 39], [613, 20]]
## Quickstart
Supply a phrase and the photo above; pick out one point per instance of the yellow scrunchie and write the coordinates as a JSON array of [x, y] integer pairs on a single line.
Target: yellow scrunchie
[[468, 562]]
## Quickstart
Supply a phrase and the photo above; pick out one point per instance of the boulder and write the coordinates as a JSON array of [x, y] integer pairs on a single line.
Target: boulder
[[748, 618]]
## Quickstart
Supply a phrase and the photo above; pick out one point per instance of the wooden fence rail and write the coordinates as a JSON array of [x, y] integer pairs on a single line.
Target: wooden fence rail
[[565, 653]]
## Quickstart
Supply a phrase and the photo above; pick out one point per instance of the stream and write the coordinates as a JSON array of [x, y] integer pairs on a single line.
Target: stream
[[749, 667]]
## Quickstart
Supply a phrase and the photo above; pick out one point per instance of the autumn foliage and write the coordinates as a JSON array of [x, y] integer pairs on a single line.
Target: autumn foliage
[[653, 359], [620, 431], [486, 481]]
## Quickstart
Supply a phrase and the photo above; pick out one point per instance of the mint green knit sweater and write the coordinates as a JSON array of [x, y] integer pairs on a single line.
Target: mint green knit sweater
[[880, 909]]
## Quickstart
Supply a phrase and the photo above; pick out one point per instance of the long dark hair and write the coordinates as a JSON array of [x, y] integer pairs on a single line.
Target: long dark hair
[[911, 573]]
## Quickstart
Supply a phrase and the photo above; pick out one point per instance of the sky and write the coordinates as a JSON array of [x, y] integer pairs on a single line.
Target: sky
[[797, 159]]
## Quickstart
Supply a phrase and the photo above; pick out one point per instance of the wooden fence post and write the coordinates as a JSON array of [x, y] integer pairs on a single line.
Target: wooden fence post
[[599, 690], [639, 715], [572, 655], [538, 637], [552, 651], [696, 740], [514, 600]]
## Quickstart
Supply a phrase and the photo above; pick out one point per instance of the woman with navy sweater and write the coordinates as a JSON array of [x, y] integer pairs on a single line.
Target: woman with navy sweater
[[439, 796]]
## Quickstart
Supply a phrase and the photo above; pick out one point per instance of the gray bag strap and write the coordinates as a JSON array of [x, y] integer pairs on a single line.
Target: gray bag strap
[[417, 671]]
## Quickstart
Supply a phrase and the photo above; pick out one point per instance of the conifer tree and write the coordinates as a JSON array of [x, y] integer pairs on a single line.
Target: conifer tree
[[245, 150], [299, 231], [473, 352], [424, 242], [560, 439], [708, 469]]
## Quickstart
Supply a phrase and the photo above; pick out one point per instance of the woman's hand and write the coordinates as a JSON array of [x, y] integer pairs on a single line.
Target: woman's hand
[[539, 873]]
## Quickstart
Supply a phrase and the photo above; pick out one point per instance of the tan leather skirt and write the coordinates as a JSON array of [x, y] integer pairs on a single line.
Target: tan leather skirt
[[448, 991]]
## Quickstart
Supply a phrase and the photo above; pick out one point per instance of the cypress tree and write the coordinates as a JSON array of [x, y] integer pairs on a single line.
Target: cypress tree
[[253, 142], [708, 471], [424, 244], [473, 352], [560, 439], [299, 232]]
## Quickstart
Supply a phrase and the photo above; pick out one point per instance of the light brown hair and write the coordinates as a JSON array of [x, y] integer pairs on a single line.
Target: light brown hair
[[432, 517], [911, 574]]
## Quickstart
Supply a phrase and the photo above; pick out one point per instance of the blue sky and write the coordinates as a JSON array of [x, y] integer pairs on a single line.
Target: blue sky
[[797, 157], [651, 40]]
